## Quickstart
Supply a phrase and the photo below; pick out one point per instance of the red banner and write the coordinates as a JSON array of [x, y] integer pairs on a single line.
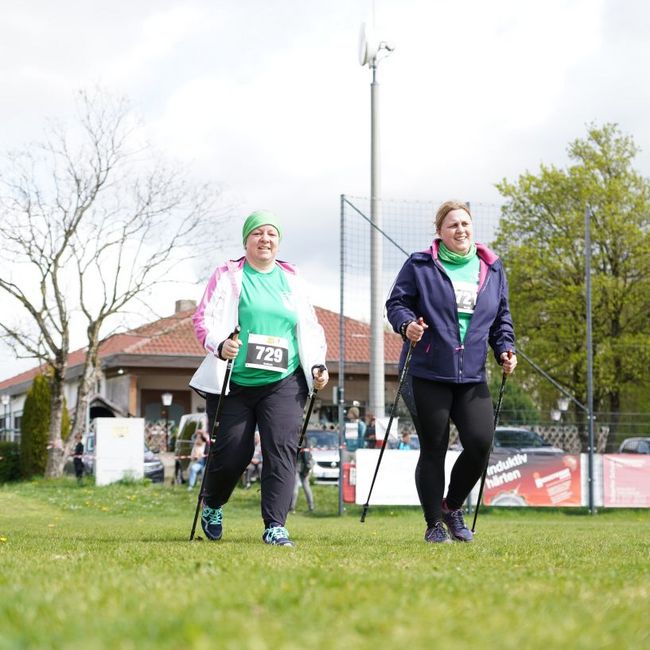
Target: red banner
[[530, 479], [626, 481]]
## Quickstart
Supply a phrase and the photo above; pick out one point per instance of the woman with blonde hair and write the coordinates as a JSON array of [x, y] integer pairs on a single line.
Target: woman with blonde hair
[[460, 290]]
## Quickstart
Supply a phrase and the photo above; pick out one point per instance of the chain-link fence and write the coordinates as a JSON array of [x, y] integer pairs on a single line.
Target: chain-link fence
[[408, 226]]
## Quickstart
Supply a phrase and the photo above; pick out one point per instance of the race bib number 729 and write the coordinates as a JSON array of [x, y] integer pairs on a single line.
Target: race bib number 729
[[267, 352]]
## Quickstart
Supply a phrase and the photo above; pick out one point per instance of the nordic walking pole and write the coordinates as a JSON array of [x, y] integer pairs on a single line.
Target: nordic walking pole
[[393, 409], [213, 433], [310, 408], [497, 412]]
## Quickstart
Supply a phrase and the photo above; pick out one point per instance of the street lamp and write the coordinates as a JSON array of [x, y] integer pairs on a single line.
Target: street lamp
[[370, 50], [562, 407], [5, 403], [166, 399]]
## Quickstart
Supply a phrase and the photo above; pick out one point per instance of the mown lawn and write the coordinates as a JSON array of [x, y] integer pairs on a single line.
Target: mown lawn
[[111, 567]]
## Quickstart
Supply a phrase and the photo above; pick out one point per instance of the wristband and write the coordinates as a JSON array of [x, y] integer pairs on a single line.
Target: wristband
[[403, 327], [219, 349]]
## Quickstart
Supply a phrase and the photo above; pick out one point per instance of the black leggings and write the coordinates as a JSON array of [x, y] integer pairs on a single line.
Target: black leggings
[[276, 410], [470, 408]]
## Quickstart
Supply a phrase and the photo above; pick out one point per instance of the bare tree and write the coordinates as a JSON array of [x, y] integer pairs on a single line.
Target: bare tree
[[91, 220]]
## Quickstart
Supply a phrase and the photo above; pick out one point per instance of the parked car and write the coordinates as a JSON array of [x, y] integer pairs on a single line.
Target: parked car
[[187, 427], [519, 438], [524, 440], [635, 446], [154, 469], [324, 447], [153, 466]]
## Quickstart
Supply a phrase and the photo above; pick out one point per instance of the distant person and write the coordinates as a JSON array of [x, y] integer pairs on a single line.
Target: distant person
[[77, 459], [460, 290], [405, 442], [370, 437], [303, 470], [353, 417], [277, 359], [197, 457]]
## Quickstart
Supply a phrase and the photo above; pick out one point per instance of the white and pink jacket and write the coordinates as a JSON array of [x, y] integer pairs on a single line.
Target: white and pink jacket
[[218, 314]]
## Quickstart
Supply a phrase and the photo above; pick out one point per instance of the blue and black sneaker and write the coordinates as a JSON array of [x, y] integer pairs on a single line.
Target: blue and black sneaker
[[437, 534], [456, 524], [277, 535], [211, 519]]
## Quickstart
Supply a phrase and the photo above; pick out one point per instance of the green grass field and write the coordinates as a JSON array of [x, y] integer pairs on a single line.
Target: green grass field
[[111, 567]]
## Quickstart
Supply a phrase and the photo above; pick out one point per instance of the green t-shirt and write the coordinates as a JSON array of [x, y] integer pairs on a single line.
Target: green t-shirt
[[268, 319], [464, 277]]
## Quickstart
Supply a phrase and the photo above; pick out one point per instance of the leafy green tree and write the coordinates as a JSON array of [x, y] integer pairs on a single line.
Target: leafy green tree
[[542, 240], [517, 406]]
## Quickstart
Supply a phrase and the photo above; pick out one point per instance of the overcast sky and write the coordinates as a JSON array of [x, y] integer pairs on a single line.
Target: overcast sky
[[267, 98]]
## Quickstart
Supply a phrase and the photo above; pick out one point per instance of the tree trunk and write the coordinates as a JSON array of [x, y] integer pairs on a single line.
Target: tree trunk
[[55, 453]]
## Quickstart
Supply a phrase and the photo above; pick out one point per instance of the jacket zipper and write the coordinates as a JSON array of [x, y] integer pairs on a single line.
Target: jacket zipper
[[478, 294], [460, 348]]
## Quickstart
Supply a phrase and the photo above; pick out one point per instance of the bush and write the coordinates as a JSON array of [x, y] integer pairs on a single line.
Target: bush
[[34, 428], [9, 461]]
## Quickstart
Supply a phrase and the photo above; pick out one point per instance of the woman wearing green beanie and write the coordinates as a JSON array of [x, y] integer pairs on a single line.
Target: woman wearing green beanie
[[277, 359]]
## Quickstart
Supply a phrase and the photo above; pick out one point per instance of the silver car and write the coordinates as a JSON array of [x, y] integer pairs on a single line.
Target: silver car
[[635, 446], [324, 447]]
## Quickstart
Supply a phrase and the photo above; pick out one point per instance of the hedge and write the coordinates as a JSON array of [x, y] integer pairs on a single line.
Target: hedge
[[9, 461]]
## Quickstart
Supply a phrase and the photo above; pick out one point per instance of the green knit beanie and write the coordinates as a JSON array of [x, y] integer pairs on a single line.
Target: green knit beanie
[[257, 219]]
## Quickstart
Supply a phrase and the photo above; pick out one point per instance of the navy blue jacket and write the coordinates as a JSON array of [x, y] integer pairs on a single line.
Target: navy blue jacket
[[423, 288]]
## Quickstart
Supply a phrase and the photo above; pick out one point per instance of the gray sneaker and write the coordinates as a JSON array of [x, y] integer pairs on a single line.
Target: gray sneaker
[[456, 524], [437, 534]]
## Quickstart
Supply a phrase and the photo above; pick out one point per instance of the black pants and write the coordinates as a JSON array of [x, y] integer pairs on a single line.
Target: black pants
[[276, 410], [470, 408]]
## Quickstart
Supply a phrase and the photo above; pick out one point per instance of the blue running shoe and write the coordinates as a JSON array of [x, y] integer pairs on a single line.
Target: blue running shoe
[[211, 519], [456, 524], [277, 535], [437, 534]]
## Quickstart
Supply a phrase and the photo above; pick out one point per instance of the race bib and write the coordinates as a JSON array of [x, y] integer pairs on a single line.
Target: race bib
[[465, 296], [267, 352]]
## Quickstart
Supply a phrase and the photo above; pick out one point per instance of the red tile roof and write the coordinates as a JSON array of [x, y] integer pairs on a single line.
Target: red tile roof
[[174, 336], [357, 339]]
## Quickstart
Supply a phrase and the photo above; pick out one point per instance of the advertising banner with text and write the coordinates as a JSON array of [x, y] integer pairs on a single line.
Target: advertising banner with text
[[626, 481], [532, 479]]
